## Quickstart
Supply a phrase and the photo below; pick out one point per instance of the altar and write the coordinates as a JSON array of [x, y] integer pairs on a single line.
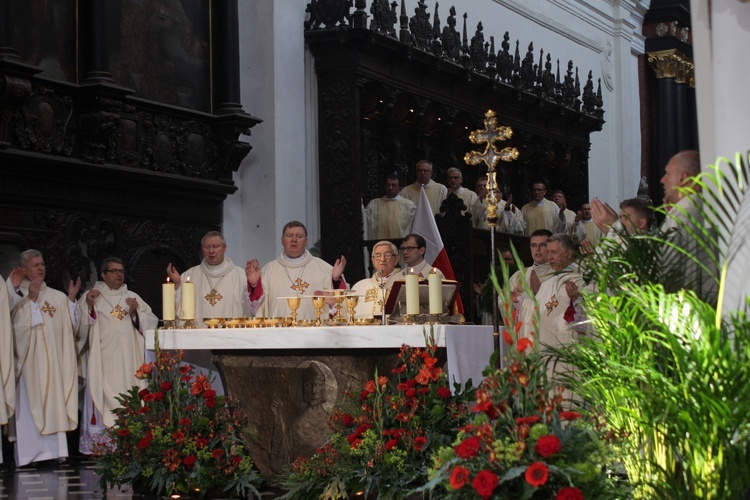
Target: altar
[[288, 380]]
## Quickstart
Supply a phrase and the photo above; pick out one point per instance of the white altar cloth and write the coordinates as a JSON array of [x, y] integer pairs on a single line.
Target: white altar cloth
[[468, 347]]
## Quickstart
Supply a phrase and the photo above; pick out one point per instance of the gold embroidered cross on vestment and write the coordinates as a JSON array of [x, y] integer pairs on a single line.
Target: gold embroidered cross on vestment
[[49, 309], [118, 312], [299, 286], [551, 304], [214, 297]]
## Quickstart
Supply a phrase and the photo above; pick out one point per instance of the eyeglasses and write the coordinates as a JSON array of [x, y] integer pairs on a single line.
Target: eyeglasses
[[408, 249], [386, 255], [115, 271]]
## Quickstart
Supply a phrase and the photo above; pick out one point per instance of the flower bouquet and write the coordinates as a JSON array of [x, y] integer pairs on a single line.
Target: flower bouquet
[[522, 444], [382, 441], [176, 436]]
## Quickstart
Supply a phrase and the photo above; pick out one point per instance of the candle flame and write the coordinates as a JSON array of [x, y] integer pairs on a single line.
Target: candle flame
[[433, 270], [168, 279], [188, 279], [411, 271]]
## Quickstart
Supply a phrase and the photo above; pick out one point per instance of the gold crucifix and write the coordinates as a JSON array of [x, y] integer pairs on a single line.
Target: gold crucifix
[[300, 286], [551, 304], [49, 309], [213, 297], [118, 312]]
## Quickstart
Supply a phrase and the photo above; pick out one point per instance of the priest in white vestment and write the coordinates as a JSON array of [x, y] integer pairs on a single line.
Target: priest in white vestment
[[295, 273], [391, 216], [7, 368], [111, 337], [588, 228], [510, 217], [541, 213], [413, 249], [46, 364], [525, 284], [455, 179], [570, 218], [435, 191], [221, 290], [373, 292]]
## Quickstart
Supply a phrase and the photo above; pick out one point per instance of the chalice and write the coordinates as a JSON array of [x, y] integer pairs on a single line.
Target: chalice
[[338, 299], [318, 302], [293, 303], [351, 304]]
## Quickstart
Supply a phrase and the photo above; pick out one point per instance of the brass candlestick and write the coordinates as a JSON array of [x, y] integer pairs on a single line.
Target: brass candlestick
[[351, 304]]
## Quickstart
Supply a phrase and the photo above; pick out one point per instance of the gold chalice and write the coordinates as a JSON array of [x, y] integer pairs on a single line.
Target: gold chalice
[[293, 303], [318, 302], [338, 299], [351, 304]]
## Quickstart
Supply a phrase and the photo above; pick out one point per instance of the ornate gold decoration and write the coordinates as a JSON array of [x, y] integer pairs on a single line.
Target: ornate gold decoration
[[49, 309], [299, 286], [673, 64], [551, 304], [371, 295], [118, 312], [214, 297]]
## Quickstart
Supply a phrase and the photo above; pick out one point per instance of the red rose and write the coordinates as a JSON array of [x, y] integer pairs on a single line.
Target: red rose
[[537, 474], [189, 460], [444, 392], [347, 420], [363, 395], [352, 437], [411, 393], [547, 446], [420, 442], [209, 394], [148, 397], [370, 386], [144, 443], [142, 393], [402, 386], [158, 396], [123, 432], [184, 422], [569, 493], [210, 402], [184, 369], [570, 415], [355, 444], [485, 483], [165, 386], [201, 443], [459, 476], [523, 344], [390, 444], [468, 448]]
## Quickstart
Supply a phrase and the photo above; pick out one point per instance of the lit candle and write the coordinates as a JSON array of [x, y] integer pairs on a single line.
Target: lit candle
[[188, 299], [435, 286], [167, 300], [412, 293]]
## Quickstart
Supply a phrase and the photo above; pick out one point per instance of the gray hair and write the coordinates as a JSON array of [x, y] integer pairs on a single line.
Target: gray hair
[[566, 242], [383, 243], [213, 234], [27, 254], [105, 263]]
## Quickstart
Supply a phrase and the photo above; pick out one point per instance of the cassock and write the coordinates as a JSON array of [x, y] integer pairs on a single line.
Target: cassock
[[468, 196], [525, 304], [508, 221], [7, 368], [435, 192], [389, 218], [46, 365], [220, 291], [288, 277], [373, 293], [113, 345], [543, 215]]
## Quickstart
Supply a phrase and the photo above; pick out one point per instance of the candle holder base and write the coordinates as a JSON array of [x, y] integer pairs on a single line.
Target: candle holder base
[[434, 319], [410, 319], [169, 324], [189, 324]]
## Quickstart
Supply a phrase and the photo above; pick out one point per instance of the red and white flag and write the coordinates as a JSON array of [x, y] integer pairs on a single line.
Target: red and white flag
[[424, 224]]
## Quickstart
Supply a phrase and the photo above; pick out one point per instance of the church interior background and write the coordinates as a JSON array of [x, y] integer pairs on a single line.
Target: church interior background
[[125, 127]]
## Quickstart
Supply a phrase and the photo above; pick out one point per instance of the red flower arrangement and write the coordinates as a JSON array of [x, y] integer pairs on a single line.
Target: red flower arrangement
[[384, 435], [176, 436], [521, 443]]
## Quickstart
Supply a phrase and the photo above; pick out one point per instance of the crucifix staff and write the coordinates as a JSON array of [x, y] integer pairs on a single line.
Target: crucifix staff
[[491, 156]]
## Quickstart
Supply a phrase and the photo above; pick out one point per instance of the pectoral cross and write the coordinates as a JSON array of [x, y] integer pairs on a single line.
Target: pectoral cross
[[213, 297], [118, 312], [299, 286], [49, 309], [551, 304]]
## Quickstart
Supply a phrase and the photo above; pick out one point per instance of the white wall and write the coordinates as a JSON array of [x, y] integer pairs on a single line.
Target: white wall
[[278, 179]]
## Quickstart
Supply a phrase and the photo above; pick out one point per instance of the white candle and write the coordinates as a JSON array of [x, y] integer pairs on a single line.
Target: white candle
[[412, 293], [435, 286], [167, 300], [188, 299]]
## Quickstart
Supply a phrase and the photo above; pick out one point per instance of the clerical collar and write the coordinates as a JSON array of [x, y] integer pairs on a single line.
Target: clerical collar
[[295, 260]]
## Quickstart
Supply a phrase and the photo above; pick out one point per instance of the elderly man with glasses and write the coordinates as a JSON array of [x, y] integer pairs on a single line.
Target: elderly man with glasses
[[373, 292], [413, 249]]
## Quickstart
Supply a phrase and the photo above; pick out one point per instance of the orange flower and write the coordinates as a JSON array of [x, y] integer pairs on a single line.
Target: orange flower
[[507, 337], [523, 344]]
